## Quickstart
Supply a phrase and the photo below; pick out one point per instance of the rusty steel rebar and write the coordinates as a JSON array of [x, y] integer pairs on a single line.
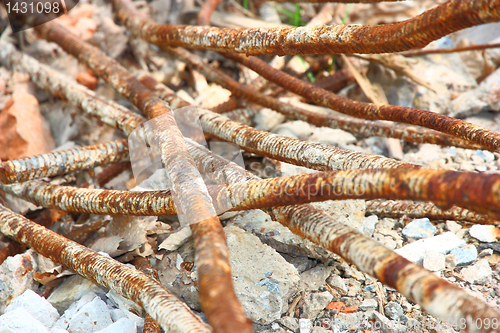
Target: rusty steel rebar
[[452, 49], [64, 161], [410, 209], [438, 297], [478, 192], [303, 153], [414, 33], [338, 1], [206, 10], [165, 308], [142, 264], [353, 125], [62, 85], [441, 123], [229, 105], [217, 297], [48, 217]]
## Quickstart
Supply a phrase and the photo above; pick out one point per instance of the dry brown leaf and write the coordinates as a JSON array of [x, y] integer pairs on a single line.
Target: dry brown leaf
[[23, 130]]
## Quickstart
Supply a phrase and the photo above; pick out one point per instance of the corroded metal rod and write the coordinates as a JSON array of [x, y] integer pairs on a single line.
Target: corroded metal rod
[[61, 162], [475, 191], [172, 314], [416, 210], [414, 33], [217, 296], [436, 296], [353, 125], [451, 126]]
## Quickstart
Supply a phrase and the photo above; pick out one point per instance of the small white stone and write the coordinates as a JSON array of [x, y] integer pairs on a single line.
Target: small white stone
[[37, 306], [16, 275], [124, 325], [297, 129], [485, 233], [478, 272], [58, 330], [305, 325], [369, 224], [434, 261], [368, 304], [72, 290], [334, 137], [453, 226], [268, 119], [20, 321], [443, 243], [92, 317]]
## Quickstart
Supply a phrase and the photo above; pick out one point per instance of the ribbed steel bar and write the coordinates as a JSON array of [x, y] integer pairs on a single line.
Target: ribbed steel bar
[[451, 126], [64, 161], [436, 296], [452, 49], [414, 33], [166, 309], [479, 192], [338, 1], [64, 86], [217, 296], [304, 153], [353, 125], [417, 210], [142, 264]]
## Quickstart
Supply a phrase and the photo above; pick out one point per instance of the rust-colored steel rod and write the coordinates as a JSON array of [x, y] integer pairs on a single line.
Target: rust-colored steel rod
[[451, 126], [438, 297], [414, 33], [206, 10], [47, 218], [417, 210], [353, 125], [217, 297], [452, 49], [229, 105], [304, 153], [64, 161], [142, 264], [479, 192], [172, 314], [62, 85]]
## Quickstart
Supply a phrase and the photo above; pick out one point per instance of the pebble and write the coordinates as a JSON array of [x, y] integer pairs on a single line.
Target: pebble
[[20, 321], [334, 137], [297, 129], [477, 273], [451, 261], [443, 243], [290, 323], [453, 226], [263, 290], [92, 317], [368, 304], [123, 325], [16, 275], [465, 256], [369, 224], [338, 283], [305, 325], [314, 278], [419, 228], [268, 119], [314, 303], [37, 306], [393, 310], [434, 261], [485, 233], [386, 325], [71, 290]]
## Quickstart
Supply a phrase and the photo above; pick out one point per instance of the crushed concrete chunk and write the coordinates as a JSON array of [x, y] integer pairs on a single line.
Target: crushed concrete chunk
[[37, 306]]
